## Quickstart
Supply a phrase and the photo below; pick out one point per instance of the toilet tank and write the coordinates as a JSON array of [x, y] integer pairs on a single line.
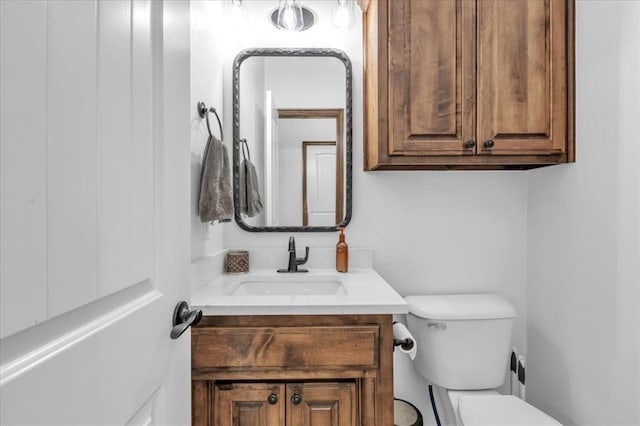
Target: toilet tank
[[463, 339]]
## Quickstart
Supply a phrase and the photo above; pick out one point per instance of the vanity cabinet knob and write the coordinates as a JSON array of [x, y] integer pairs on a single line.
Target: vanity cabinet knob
[[489, 143], [469, 144], [273, 399], [296, 399]]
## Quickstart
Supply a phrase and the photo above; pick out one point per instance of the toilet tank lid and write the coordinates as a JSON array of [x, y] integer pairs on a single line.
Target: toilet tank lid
[[460, 306]]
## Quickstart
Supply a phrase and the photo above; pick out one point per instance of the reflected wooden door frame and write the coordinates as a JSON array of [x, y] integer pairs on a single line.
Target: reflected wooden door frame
[[338, 114]]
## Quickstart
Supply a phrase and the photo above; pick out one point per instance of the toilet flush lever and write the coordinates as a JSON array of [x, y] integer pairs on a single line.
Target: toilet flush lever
[[437, 325]]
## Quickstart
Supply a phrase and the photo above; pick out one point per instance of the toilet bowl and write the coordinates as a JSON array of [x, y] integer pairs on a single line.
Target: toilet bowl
[[465, 342], [488, 408], [500, 410]]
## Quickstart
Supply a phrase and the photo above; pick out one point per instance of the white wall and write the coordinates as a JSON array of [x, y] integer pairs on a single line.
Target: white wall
[[307, 82], [207, 50], [583, 225], [430, 231]]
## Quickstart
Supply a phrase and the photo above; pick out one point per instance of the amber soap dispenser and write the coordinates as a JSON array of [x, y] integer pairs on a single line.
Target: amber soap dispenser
[[342, 253]]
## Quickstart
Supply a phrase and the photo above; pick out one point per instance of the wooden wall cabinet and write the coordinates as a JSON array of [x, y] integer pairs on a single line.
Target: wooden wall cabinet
[[292, 370], [470, 84]]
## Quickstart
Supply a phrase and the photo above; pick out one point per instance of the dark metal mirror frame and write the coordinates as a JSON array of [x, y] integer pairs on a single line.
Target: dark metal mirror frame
[[247, 53]]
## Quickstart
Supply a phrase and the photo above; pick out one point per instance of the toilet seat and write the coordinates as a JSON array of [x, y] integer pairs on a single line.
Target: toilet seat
[[498, 410]]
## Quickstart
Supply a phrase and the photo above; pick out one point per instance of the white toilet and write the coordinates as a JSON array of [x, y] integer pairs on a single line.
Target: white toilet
[[464, 344]]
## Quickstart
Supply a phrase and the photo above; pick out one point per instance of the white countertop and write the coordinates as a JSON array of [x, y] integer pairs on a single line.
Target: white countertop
[[366, 293]]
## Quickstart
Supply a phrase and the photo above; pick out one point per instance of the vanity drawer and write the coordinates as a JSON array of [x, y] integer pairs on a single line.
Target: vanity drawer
[[269, 348]]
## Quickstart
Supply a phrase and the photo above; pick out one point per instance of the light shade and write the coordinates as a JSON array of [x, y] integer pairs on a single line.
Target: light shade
[[343, 14], [290, 16], [308, 16]]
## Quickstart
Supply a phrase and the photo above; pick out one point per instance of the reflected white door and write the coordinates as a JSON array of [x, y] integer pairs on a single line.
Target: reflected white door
[[94, 212], [320, 181]]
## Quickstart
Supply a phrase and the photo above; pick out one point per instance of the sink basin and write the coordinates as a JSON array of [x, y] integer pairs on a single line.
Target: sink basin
[[289, 286]]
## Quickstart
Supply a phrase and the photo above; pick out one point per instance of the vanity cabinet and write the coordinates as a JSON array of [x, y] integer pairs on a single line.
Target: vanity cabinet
[[469, 84], [292, 370]]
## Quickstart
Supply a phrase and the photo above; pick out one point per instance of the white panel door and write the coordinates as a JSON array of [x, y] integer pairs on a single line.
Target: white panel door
[[94, 212], [321, 184]]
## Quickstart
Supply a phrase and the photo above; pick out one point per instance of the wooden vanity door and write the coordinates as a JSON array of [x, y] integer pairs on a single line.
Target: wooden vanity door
[[322, 404], [522, 77], [248, 404]]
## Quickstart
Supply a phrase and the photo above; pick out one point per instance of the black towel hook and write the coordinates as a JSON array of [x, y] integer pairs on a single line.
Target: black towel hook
[[246, 154], [204, 113]]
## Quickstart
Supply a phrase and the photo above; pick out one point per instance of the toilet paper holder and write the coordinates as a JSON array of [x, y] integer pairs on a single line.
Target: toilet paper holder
[[406, 344]]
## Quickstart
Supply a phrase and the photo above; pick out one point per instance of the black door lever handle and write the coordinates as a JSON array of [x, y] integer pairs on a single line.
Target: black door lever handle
[[183, 318]]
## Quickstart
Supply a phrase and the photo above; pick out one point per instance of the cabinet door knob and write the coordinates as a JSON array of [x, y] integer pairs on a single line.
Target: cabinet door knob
[[296, 399], [469, 144], [273, 399], [489, 143]]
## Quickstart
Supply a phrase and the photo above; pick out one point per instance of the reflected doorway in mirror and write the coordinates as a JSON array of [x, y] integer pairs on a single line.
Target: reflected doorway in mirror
[[321, 203]]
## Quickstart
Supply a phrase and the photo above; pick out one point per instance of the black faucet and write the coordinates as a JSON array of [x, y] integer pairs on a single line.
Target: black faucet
[[294, 261]]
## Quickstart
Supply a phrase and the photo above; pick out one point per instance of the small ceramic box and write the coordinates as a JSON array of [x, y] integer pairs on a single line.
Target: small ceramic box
[[237, 262]]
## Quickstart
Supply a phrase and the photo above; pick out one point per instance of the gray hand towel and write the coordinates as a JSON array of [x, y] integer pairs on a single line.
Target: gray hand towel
[[216, 193], [250, 199]]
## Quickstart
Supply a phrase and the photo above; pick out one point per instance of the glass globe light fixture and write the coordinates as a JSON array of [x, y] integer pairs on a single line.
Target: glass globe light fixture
[[290, 15], [343, 15]]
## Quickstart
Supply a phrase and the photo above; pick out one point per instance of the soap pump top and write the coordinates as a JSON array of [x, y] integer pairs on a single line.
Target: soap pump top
[[342, 253]]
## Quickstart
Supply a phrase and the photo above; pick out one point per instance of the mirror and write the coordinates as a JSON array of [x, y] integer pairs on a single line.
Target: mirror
[[292, 139]]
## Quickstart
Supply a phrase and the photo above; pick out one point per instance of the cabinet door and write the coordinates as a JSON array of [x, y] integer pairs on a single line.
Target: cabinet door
[[322, 404], [249, 404], [522, 77], [431, 77]]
